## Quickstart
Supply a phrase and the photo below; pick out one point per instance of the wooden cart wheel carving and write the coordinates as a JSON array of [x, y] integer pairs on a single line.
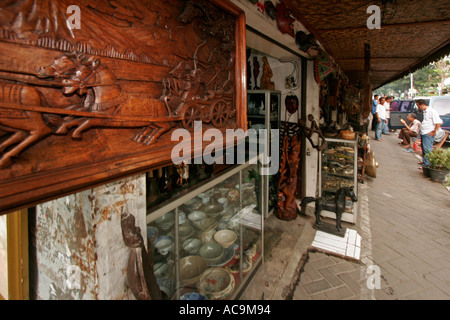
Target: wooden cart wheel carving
[[220, 112], [190, 114]]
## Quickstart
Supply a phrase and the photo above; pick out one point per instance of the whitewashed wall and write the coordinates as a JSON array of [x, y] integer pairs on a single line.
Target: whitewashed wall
[[311, 163], [80, 252]]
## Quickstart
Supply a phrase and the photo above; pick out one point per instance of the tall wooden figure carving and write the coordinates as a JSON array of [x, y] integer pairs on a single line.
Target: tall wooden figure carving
[[290, 158], [140, 275]]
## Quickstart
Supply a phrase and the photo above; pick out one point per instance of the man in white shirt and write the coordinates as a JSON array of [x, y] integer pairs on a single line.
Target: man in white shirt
[[410, 131], [381, 119], [387, 104], [430, 125]]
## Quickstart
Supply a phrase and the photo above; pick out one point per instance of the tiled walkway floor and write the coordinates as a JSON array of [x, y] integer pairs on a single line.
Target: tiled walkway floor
[[404, 223]]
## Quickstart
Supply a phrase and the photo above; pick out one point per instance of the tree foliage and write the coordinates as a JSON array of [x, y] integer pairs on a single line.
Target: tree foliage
[[425, 80]]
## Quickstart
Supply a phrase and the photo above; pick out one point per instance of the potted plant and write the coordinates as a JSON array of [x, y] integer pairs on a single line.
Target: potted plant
[[439, 164]]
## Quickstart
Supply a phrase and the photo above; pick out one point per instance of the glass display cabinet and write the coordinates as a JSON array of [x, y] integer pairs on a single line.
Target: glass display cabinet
[[337, 169], [264, 113], [207, 243]]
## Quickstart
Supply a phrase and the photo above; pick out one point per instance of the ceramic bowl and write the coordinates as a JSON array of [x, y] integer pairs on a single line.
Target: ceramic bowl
[[223, 202], [191, 268], [160, 269], [207, 235], [193, 204], [233, 224], [166, 221], [152, 233], [213, 209], [211, 252], [193, 296], [192, 246], [206, 196], [249, 186], [181, 217], [225, 237], [167, 286], [197, 218], [164, 244], [216, 283], [185, 231]]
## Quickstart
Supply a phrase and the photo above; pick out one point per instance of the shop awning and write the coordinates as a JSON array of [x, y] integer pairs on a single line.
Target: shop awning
[[412, 34]]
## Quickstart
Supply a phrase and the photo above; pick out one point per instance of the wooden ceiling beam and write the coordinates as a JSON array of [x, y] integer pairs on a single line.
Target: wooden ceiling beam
[[384, 26], [379, 58]]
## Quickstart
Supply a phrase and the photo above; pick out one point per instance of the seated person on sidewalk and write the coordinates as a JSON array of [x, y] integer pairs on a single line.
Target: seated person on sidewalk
[[410, 131]]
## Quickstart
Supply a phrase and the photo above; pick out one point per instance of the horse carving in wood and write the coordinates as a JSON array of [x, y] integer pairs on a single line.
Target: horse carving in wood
[[111, 99], [27, 127], [336, 205]]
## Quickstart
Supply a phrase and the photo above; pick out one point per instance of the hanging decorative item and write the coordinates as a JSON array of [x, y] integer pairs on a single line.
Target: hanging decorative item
[[261, 7], [271, 10], [323, 66], [291, 103], [284, 20], [305, 41], [314, 128]]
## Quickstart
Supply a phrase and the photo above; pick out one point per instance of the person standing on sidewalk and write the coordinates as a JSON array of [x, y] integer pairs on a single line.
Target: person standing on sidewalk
[[388, 114], [430, 125], [381, 119], [374, 111]]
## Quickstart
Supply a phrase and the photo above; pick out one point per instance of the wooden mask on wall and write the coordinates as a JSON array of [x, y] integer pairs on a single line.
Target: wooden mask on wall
[[87, 103]]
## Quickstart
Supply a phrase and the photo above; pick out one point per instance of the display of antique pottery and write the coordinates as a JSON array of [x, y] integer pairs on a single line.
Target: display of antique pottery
[[211, 236]]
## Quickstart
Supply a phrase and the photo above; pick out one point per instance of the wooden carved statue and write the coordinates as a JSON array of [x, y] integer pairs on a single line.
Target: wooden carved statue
[[314, 128], [249, 70], [256, 70], [183, 173], [266, 83], [287, 207], [140, 276]]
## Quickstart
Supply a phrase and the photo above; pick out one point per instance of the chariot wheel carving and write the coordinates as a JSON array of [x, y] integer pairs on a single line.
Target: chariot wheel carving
[[220, 112], [191, 113]]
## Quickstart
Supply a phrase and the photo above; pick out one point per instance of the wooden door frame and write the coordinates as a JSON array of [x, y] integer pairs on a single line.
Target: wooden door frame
[[17, 255]]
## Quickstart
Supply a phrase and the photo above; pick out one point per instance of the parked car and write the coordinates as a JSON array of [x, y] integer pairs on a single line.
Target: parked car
[[442, 106], [401, 108]]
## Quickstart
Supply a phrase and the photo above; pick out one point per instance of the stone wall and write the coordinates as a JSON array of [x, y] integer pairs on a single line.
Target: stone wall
[[80, 253]]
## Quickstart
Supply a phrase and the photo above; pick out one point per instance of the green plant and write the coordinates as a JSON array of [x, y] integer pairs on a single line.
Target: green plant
[[439, 159]]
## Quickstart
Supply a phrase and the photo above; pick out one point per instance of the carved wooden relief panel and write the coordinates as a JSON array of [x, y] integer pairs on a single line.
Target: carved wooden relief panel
[[92, 91]]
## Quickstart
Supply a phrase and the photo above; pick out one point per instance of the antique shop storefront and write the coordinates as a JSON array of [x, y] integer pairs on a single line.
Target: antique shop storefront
[[92, 119]]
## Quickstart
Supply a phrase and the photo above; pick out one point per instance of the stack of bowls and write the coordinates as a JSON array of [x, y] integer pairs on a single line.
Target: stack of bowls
[[216, 283]]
